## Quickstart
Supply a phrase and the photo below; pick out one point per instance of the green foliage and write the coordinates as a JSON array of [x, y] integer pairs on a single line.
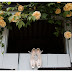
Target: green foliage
[[65, 13], [2, 44], [49, 4], [24, 15], [51, 21], [56, 34], [44, 16], [9, 8], [58, 22], [8, 3], [20, 24], [31, 18], [10, 18], [47, 11]]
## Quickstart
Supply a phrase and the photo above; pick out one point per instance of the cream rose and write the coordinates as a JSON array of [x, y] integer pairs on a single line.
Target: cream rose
[[17, 13], [2, 23], [58, 11], [1, 18], [67, 7], [20, 8], [37, 15], [13, 18], [67, 34]]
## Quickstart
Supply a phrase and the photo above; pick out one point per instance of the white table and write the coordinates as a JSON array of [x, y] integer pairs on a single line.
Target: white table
[[10, 61]]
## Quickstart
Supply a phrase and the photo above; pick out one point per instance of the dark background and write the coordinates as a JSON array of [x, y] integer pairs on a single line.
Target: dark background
[[38, 35]]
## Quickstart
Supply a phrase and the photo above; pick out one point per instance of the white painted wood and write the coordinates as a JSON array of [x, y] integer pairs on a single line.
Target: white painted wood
[[70, 48], [63, 60], [4, 40], [69, 42], [44, 60], [48, 61], [1, 60], [24, 62], [10, 61], [58, 60], [52, 60]]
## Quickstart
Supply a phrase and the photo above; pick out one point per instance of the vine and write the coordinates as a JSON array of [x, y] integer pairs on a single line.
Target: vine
[[55, 13]]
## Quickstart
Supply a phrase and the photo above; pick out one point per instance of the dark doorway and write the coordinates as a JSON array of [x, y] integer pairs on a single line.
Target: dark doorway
[[38, 35]]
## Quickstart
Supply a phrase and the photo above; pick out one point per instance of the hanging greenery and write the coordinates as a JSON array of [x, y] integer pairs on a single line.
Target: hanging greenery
[[55, 13]]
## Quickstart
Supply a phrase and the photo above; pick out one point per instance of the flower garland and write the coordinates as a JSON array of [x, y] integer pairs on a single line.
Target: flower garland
[[55, 13]]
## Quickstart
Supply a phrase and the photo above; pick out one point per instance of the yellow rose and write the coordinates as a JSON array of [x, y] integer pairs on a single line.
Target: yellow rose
[[1, 18], [17, 13], [1, 12], [20, 8], [2, 23], [58, 2], [67, 7], [37, 15], [13, 20], [58, 11], [67, 34], [69, 15]]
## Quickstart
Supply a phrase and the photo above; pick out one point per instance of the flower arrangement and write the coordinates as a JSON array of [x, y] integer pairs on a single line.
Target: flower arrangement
[[55, 13]]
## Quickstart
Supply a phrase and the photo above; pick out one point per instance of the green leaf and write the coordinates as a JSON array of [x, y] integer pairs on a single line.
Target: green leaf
[[29, 18], [3, 52], [13, 8], [51, 21], [20, 24], [24, 15], [56, 33], [23, 24], [65, 13], [0, 7], [28, 23], [44, 15], [33, 18], [58, 22], [4, 2], [2, 44], [10, 18], [17, 23], [8, 3], [49, 4], [8, 9]]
